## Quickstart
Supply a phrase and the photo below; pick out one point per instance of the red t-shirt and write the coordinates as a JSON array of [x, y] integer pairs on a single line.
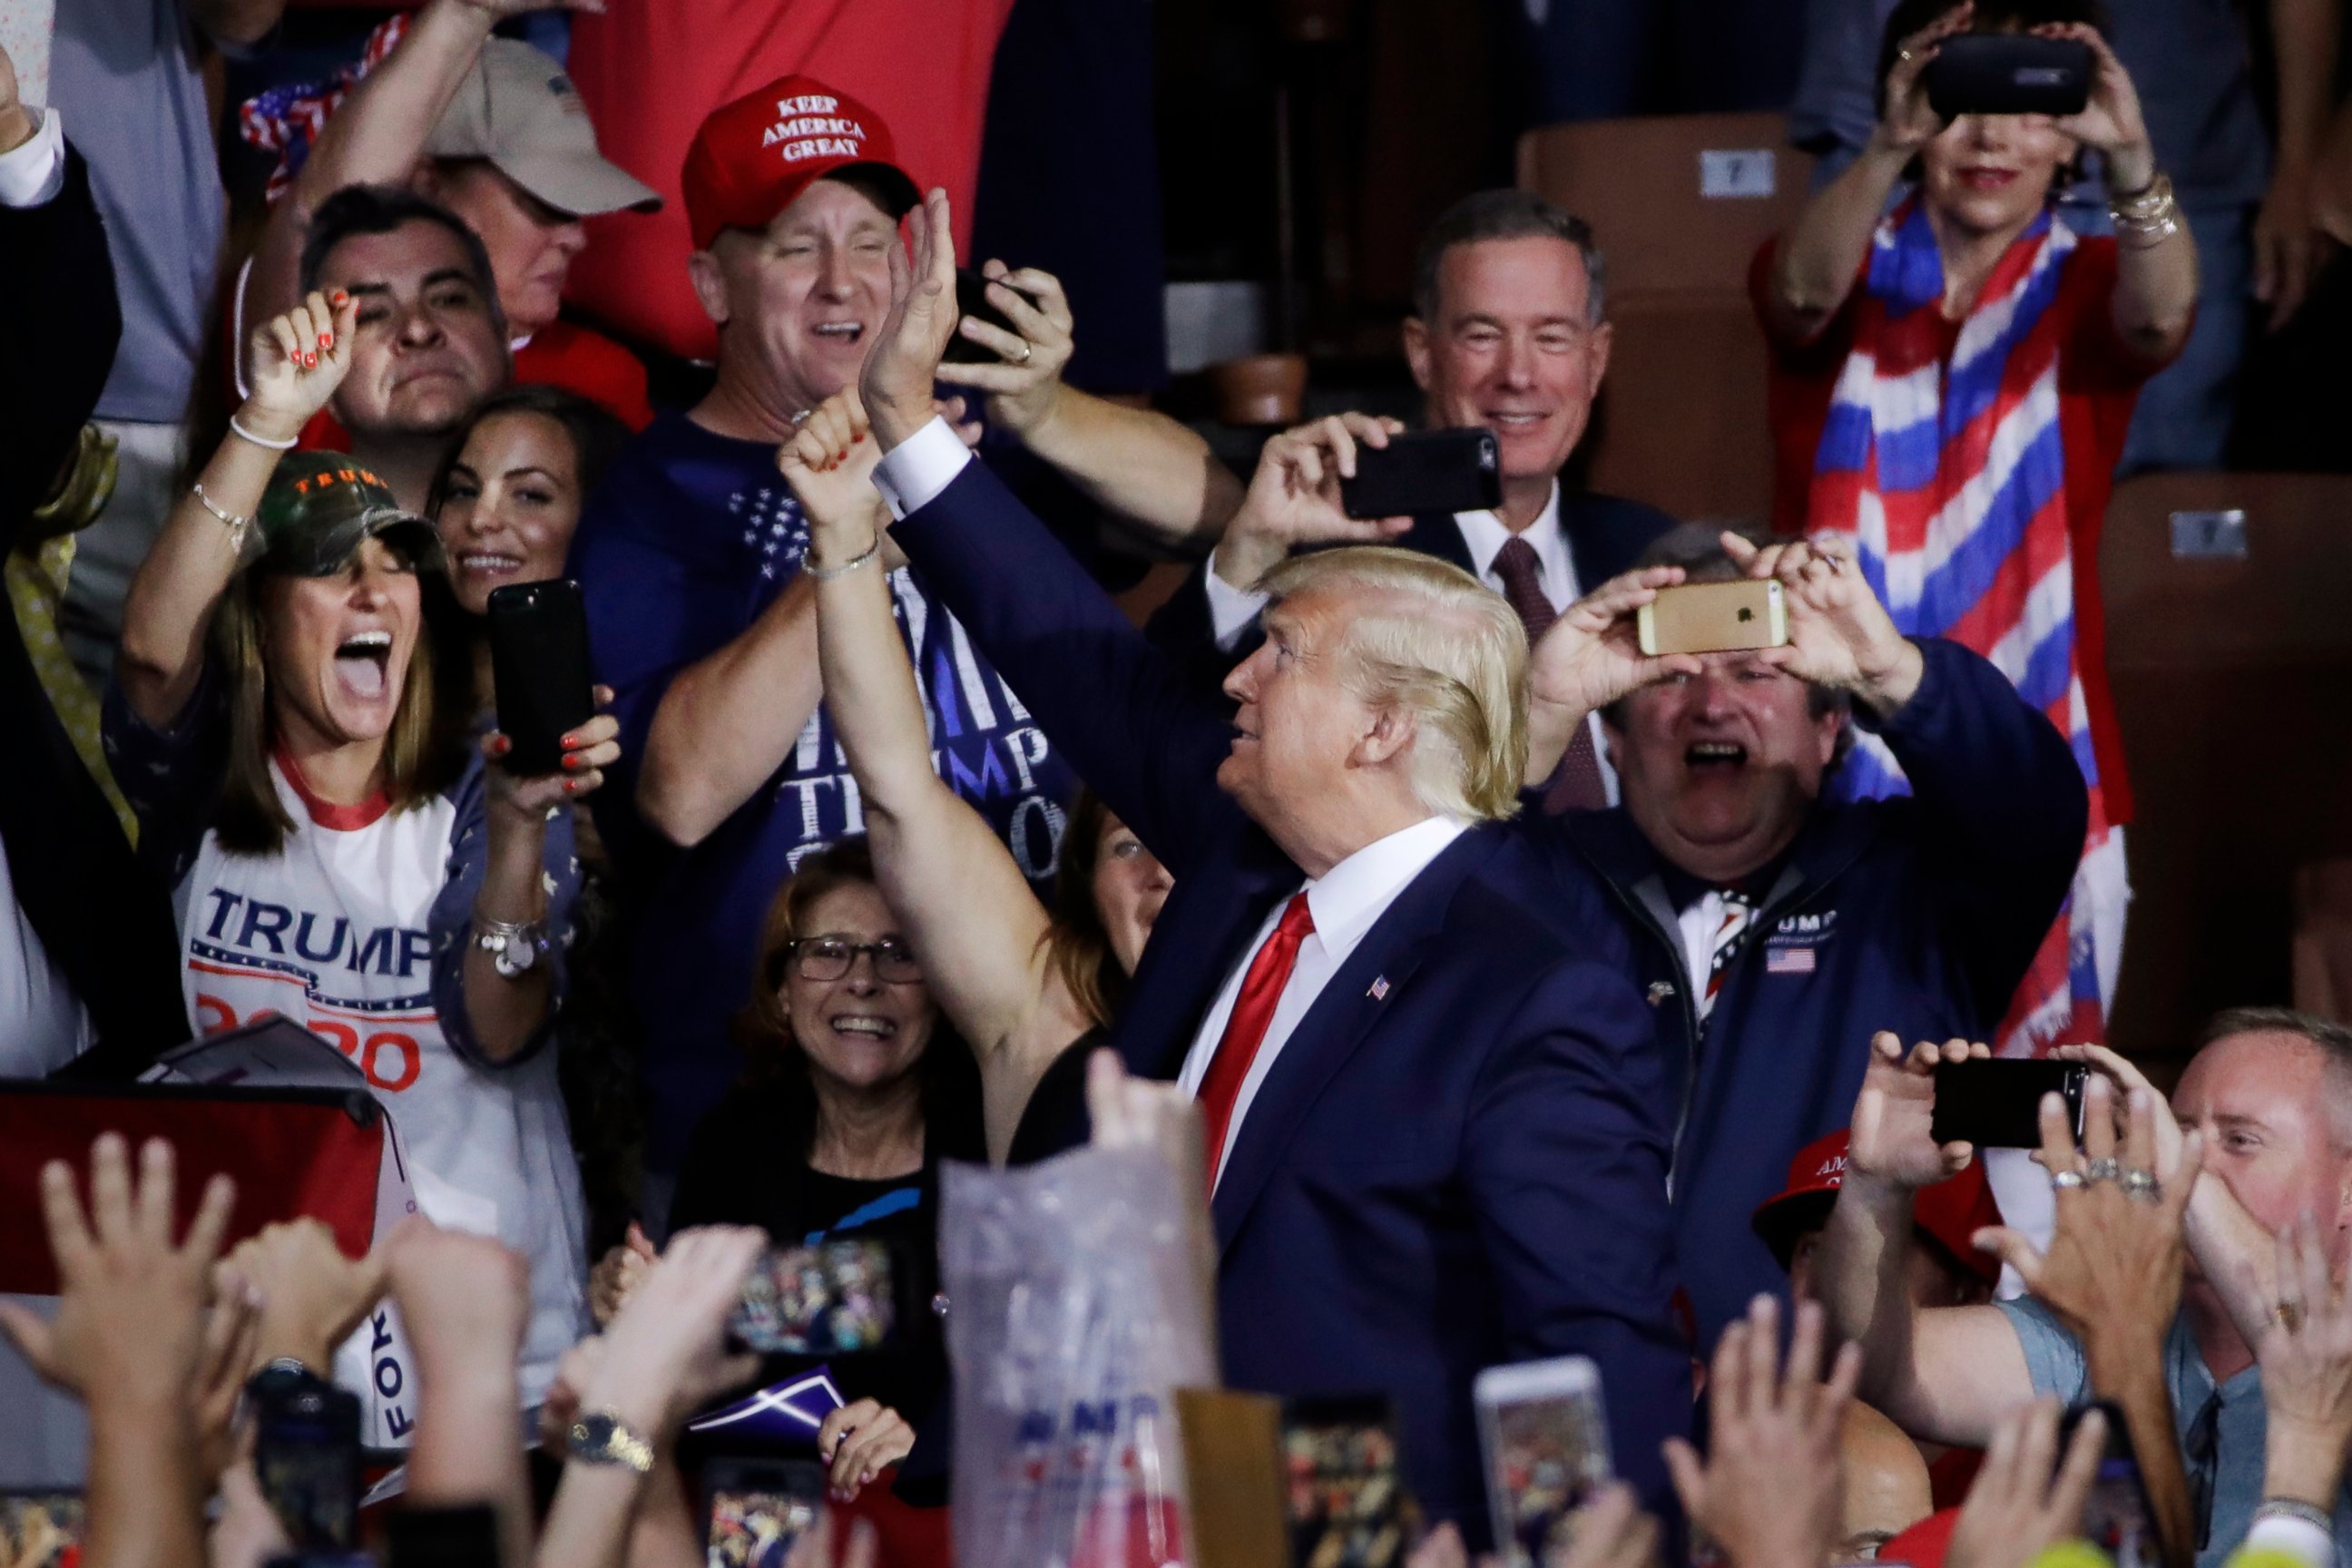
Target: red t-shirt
[[579, 359], [648, 75], [2099, 378]]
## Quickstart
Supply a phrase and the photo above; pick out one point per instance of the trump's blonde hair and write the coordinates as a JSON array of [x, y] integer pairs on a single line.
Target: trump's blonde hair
[[1427, 639]]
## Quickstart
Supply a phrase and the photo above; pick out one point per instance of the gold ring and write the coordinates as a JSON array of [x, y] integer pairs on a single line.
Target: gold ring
[[2290, 1315], [1025, 351]]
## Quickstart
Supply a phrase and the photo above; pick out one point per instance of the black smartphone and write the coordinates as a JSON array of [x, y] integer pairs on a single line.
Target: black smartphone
[[1426, 472], [40, 1529], [837, 1297], [306, 1453], [2116, 1518], [1996, 1103], [1344, 1493], [465, 1537], [760, 1509], [2009, 73], [538, 664], [971, 299]]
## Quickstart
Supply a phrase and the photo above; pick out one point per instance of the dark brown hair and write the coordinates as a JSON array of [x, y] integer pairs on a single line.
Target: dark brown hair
[[424, 753], [1079, 946], [595, 431]]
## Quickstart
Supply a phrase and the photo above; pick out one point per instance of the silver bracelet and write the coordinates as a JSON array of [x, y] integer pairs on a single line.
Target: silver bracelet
[[285, 445], [827, 573], [514, 946], [236, 525], [2289, 1508]]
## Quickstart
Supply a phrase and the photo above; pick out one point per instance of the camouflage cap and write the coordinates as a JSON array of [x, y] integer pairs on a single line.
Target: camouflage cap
[[320, 507]]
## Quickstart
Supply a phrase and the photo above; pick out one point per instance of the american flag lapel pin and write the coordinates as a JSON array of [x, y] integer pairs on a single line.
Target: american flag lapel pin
[[1380, 988]]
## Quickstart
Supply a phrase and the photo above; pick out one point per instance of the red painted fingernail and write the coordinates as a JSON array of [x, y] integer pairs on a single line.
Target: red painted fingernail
[[572, 786], [296, 356], [341, 297], [569, 742], [500, 745], [309, 362], [325, 339]]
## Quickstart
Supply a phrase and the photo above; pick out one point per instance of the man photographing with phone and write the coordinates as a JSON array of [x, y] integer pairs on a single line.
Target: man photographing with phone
[[1509, 334], [1773, 927]]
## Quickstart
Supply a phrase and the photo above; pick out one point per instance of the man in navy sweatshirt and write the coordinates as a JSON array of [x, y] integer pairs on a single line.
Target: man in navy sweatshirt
[[1775, 931]]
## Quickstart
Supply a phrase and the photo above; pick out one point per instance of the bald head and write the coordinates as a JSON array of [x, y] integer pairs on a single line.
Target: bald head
[[1886, 1485]]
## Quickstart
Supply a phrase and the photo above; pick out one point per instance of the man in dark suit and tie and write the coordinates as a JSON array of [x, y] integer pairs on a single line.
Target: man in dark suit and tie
[[1510, 333], [1438, 1131]]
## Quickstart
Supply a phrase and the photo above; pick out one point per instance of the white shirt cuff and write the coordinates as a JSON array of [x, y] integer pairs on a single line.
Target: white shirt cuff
[[911, 476], [1230, 609], [2299, 1538], [32, 176]]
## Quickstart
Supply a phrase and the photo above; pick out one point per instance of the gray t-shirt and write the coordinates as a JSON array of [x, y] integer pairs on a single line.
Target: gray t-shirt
[[2054, 1358], [2187, 58], [124, 73]]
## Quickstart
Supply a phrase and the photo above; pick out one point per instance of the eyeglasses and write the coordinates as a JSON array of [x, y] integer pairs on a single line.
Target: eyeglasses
[[830, 957]]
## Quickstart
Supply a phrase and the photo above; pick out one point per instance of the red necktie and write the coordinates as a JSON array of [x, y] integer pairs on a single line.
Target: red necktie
[[1269, 971], [1576, 785]]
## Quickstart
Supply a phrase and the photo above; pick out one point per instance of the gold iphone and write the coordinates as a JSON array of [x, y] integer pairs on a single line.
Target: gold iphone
[[1714, 617]]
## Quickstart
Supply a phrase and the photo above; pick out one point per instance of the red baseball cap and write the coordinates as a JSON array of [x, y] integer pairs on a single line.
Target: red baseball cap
[[1951, 1212], [753, 157]]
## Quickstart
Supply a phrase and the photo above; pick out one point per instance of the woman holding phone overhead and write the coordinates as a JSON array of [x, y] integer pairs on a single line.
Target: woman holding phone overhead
[[1954, 370], [289, 718], [1031, 990]]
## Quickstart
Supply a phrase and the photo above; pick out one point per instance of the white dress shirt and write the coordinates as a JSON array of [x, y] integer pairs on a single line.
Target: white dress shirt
[[1233, 610], [32, 174], [1345, 901], [912, 474]]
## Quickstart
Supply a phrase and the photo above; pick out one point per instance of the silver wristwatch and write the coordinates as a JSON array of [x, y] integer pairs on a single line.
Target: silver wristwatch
[[514, 946]]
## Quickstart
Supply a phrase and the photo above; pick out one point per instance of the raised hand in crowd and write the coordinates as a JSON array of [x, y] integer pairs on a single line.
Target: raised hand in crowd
[[2026, 1496], [298, 360], [894, 383], [312, 1297], [464, 1304], [1770, 1491], [1590, 657], [232, 1332], [2113, 1272], [665, 1355], [1023, 382], [2306, 1357], [1293, 498], [618, 1273], [858, 1441], [830, 462], [1840, 636], [129, 1338]]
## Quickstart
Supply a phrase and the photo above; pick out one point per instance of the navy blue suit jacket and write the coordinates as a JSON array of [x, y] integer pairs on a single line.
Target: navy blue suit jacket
[[1459, 1158]]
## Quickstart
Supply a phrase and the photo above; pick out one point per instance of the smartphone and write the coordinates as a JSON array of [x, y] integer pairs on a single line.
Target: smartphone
[[834, 1298], [306, 1453], [40, 1530], [1344, 1495], [1714, 617], [2009, 73], [1426, 472], [2116, 1518], [463, 1537], [1996, 1103], [538, 665], [759, 1509], [1546, 1442], [971, 299]]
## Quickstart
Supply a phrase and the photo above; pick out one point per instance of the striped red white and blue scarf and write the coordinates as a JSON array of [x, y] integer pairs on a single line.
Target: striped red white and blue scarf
[[1948, 478]]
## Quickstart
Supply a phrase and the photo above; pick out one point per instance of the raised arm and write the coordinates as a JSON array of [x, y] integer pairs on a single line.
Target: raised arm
[[1945, 1373], [1815, 264], [726, 722], [379, 131], [967, 911], [1135, 727], [299, 360], [1139, 464], [2156, 263]]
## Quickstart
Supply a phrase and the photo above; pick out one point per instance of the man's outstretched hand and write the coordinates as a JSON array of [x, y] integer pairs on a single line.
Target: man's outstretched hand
[[900, 369]]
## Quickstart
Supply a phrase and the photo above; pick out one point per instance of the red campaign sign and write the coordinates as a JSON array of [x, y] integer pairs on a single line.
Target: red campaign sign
[[291, 1153]]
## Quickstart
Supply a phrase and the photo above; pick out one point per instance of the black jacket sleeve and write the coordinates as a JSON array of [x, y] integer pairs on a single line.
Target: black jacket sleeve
[[59, 326]]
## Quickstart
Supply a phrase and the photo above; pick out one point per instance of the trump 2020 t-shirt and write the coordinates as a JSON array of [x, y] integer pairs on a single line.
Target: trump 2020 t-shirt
[[690, 537]]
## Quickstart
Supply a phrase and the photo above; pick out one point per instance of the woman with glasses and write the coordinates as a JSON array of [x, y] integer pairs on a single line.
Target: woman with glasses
[[1032, 989], [854, 1091]]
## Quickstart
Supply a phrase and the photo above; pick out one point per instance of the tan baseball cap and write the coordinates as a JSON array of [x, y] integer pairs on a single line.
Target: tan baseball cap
[[517, 108]]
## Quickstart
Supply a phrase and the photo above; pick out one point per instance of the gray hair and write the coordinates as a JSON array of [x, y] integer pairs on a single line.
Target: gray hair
[[1507, 214]]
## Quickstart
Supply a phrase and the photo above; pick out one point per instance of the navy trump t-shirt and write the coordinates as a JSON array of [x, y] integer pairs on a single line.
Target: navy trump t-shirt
[[690, 536]]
